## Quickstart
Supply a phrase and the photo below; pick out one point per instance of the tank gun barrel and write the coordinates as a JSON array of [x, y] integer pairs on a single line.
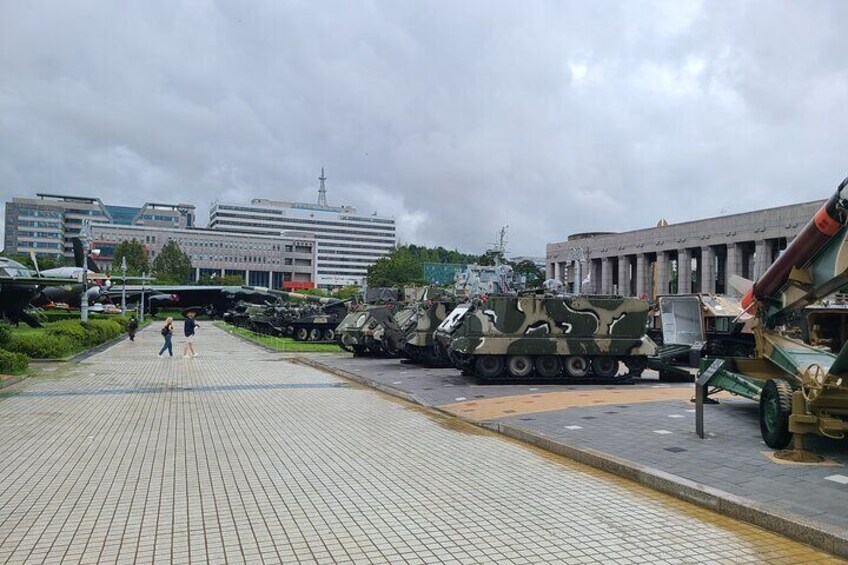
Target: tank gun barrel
[[827, 222], [325, 300]]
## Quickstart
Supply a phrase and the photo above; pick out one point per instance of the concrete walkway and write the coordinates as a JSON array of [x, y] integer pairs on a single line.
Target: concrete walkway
[[240, 456]]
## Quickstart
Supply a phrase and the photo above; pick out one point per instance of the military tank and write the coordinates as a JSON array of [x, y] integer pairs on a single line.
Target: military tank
[[517, 337]]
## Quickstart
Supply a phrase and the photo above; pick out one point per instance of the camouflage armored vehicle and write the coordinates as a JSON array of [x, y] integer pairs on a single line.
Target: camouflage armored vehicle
[[361, 332], [320, 322], [551, 336]]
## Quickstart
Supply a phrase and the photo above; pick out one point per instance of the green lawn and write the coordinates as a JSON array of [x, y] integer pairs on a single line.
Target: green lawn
[[281, 343]]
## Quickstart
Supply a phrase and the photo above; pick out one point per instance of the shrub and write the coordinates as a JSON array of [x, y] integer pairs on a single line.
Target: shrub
[[70, 329], [40, 346], [121, 321], [5, 333], [12, 363], [101, 331]]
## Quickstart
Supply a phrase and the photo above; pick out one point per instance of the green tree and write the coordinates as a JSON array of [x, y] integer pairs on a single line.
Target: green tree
[[346, 292], [133, 250], [535, 275], [229, 280], [172, 265]]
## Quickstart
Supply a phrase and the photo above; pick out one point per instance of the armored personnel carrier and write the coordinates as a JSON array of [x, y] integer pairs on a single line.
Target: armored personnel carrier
[[361, 331], [550, 336]]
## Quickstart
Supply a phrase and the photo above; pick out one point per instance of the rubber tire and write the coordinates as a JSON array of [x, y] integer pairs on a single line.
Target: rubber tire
[[489, 366], [776, 398], [577, 372], [548, 366], [605, 367], [301, 334], [519, 366], [329, 335], [314, 334]]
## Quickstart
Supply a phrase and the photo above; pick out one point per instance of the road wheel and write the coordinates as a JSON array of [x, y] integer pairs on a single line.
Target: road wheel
[[329, 335], [489, 366], [605, 367], [520, 366], [301, 334], [576, 366], [548, 366], [314, 334], [775, 408]]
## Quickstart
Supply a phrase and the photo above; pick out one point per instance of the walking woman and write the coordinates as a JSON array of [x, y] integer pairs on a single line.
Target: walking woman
[[168, 333]]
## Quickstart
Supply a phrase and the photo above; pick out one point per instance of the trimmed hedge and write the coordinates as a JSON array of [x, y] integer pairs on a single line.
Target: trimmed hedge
[[41, 346], [13, 363], [101, 331]]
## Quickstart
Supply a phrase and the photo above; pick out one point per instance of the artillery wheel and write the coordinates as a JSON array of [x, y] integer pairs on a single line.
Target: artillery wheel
[[314, 334], [775, 408], [605, 367], [329, 335], [577, 366], [548, 366], [489, 366], [519, 366], [301, 334]]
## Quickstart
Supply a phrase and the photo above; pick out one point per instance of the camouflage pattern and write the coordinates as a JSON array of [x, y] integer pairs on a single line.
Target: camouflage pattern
[[557, 328], [361, 331]]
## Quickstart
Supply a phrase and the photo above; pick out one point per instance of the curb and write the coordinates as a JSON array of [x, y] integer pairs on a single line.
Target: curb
[[805, 530]]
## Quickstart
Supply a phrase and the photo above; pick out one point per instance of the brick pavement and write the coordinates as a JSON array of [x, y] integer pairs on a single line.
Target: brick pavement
[[240, 456]]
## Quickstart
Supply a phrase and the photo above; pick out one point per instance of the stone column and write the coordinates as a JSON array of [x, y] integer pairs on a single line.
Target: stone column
[[556, 274], [761, 262], [641, 274], [684, 271], [662, 273], [247, 277], [623, 276], [578, 278], [707, 269], [606, 275], [731, 267]]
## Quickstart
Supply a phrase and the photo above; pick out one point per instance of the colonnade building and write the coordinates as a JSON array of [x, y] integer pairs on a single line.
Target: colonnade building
[[697, 256]]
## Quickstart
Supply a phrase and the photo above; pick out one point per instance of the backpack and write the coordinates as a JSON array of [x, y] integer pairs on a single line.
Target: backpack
[[165, 330]]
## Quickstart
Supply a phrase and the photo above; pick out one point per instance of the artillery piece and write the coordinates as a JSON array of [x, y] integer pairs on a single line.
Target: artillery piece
[[800, 389], [315, 322]]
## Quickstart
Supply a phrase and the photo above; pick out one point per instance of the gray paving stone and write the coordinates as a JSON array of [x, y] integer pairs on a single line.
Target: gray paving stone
[[241, 456]]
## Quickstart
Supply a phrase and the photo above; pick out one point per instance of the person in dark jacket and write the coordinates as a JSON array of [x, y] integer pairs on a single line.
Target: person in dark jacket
[[190, 326], [168, 333], [132, 327]]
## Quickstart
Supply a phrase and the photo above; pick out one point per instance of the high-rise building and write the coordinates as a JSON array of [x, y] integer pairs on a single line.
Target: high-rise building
[[348, 242], [47, 223]]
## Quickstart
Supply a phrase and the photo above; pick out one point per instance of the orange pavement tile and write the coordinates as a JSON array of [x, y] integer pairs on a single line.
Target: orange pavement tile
[[487, 409]]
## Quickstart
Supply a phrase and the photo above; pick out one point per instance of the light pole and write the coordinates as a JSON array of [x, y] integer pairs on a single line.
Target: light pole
[[124, 285], [84, 299], [141, 306]]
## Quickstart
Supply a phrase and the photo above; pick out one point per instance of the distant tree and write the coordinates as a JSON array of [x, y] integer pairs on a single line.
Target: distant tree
[[535, 275], [137, 261], [44, 261], [229, 280], [346, 292], [172, 265], [404, 266], [491, 257]]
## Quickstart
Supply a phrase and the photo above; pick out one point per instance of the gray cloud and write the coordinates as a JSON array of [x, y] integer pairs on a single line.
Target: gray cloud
[[555, 117]]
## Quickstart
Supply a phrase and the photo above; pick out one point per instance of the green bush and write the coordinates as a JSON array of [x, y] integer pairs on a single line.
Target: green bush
[[56, 315], [70, 329], [121, 321], [41, 345], [101, 331], [5, 333], [12, 363]]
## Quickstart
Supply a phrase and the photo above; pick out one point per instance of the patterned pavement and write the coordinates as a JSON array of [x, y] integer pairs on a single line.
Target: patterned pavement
[[241, 456]]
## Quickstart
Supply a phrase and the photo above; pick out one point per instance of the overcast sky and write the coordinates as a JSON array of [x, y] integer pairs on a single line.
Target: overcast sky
[[455, 117]]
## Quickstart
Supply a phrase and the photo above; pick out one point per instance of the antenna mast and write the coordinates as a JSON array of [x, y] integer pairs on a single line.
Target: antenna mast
[[322, 190]]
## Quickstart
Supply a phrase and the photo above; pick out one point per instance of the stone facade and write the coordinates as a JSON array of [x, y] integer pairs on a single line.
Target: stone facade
[[697, 256]]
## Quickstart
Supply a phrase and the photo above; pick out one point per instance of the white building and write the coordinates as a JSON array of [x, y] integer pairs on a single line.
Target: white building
[[348, 243], [278, 260]]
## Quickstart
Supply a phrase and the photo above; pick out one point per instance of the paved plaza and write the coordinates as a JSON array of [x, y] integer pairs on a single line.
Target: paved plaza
[[242, 456]]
